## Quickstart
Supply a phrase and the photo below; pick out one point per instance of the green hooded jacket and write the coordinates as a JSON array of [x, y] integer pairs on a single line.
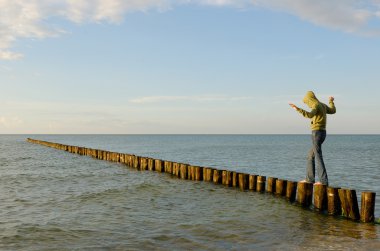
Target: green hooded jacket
[[319, 111]]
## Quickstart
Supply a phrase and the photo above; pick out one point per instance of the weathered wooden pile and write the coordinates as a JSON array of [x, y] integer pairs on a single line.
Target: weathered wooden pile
[[330, 200]]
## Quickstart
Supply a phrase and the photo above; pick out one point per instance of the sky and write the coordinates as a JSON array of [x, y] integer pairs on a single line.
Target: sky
[[187, 66]]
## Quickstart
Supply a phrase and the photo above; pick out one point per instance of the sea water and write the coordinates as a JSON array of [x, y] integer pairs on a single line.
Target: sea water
[[54, 200]]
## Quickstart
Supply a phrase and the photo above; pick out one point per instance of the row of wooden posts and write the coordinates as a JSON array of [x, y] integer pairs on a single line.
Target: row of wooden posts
[[332, 200]]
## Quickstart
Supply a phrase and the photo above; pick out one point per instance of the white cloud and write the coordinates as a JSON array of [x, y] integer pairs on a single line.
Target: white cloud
[[9, 55], [350, 16], [214, 98], [82, 11], [20, 19]]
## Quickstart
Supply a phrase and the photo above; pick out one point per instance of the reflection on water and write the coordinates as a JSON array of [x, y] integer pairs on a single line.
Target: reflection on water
[[55, 200]]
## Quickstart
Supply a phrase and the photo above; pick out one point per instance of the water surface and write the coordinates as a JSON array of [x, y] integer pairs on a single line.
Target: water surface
[[52, 199]]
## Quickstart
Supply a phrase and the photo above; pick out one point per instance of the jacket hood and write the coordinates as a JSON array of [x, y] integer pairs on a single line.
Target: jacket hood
[[310, 99]]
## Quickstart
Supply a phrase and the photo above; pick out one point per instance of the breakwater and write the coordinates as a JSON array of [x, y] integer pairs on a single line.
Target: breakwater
[[329, 200]]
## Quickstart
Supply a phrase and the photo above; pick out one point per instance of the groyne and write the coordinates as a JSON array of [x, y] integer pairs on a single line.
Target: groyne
[[335, 201]]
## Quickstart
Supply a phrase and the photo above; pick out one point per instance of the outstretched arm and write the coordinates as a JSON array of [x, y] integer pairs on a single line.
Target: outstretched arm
[[331, 108], [304, 113]]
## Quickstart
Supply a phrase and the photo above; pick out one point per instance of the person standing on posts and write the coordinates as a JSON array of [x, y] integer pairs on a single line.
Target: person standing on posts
[[318, 116]]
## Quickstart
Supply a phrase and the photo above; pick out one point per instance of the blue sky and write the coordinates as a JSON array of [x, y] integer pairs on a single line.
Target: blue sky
[[212, 66]]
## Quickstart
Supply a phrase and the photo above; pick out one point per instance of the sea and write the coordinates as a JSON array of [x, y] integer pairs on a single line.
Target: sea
[[55, 200]]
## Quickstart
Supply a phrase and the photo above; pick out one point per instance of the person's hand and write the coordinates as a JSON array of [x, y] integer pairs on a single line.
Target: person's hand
[[331, 98], [293, 106]]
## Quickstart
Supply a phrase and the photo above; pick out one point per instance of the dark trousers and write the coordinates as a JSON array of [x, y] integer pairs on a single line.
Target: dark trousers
[[315, 155]]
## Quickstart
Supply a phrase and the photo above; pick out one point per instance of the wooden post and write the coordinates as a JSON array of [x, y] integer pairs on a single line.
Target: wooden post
[[122, 157], [224, 177], [304, 193], [235, 179], [131, 160], [333, 203], [252, 182], [280, 187], [227, 178], [151, 164], [320, 197], [136, 162], [128, 159], [143, 163], [173, 168], [243, 181], [367, 213], [190, 172], [271, 185], [183, 171], [260, 184], [169, 167], [198, 173], [349, 202], [204, 170], [208, 174], [217, 176], [165, 166], [176, 169], [158, 165]]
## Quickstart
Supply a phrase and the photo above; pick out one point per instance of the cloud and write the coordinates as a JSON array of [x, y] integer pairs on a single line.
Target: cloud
[[8, 55], [352, 16], [21, 19], [160, 99]]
